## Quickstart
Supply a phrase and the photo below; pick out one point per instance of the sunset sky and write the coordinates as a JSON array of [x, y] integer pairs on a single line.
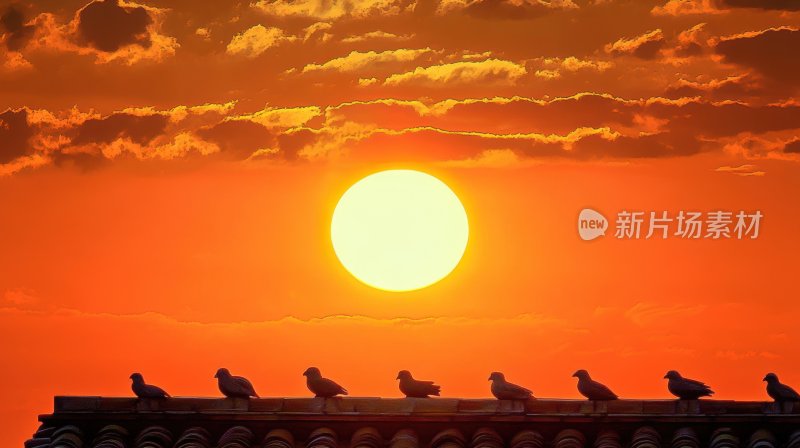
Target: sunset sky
[[168, 172]]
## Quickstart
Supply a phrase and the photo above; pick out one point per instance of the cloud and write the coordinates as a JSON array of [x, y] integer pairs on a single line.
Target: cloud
[[497, 114], [281, 117], [25, 301], [108, 25], [686, 7], [647, 146], [504, 9], [332, 9], [365, 82], [644, 313], [471, 132], [140, 129], [138, 133], [574, 64], [466, 55], [20, 298], [741, 170], [690, 42], [178, 146], [547, 74], [256, 40], [786, 5], [87, 140], [644, 46], [17, 31], [489, 71], [15, 135], [179, 113], [145, 133], [359, 61], [109, 30], [363, 142], [203, 33], [772, 52], [771, 145], [792, 147], [238, 139], [694, 7], [731, 86], [686, 116], [490, 158], [553, 67], [13, 60], [15, 35], [648, 128], [318, 29], [373, 35]]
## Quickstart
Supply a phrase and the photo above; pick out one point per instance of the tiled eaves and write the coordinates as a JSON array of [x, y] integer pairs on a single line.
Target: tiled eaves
[[441, 408]]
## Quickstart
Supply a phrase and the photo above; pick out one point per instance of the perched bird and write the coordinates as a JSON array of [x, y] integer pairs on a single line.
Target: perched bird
[[322, 387], [143, 390], [414, 388], [503, 390], [591, 389], [234, 386], [685, 388], [780, 392]]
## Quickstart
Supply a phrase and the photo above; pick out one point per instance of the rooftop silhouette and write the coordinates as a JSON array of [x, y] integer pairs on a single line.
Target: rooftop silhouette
[[342, 422]]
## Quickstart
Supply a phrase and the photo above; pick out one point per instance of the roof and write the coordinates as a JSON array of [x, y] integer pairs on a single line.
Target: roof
[[106, 422]]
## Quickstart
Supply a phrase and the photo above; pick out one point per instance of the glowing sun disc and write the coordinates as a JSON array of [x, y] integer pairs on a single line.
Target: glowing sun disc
[[399, 230]]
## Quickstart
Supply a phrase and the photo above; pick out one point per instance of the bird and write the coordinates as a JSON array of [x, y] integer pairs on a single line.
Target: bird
[[503, 390], [143, 390], [322, 387], [412, 388], [591, 389], [234, 386], [685, 388], [780, 392]]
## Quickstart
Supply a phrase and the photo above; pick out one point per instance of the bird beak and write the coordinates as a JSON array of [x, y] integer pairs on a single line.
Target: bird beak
[[398, 377], [216, 375], [490, 378], [765, 378], [665, 376]]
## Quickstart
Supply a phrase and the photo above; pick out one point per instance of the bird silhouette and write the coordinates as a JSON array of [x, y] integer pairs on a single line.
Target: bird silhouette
[[412, 388], [591, 389], [234, 386], [143, 390], [685, 388], [780, 392], [503, 390], [322, 387]]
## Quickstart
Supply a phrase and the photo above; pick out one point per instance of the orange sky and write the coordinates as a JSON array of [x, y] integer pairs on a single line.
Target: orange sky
[[168, 172]]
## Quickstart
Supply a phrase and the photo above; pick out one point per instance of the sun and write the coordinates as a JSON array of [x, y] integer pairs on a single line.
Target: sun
[[399, 230]]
